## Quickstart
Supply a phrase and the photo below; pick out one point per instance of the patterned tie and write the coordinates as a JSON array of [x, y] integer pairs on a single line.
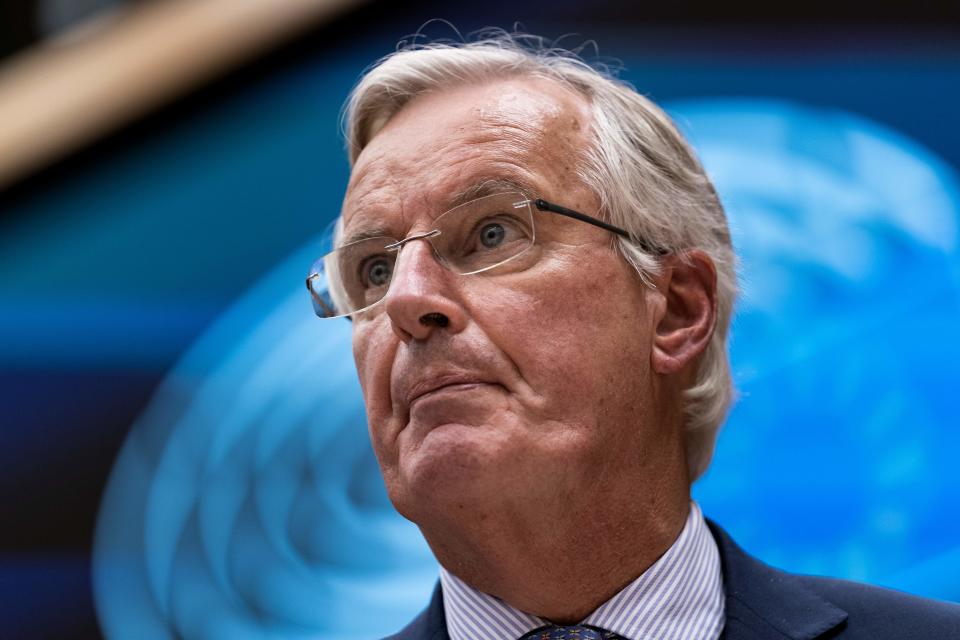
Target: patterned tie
[[577, 632]]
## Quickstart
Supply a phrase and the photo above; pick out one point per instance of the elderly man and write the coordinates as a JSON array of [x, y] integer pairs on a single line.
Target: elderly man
[[540, 279]]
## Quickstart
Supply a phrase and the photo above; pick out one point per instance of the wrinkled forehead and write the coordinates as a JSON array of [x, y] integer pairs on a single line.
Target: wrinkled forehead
[[527, 132]]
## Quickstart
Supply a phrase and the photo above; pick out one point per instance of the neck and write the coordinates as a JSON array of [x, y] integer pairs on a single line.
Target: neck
[[563, 570]]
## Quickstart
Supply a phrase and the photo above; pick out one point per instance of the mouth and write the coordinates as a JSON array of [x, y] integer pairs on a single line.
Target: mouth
[[455, 387], [443, 384]]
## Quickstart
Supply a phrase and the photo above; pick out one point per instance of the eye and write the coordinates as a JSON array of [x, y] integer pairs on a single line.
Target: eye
[[492, 235], [485, 238], [376, 271]]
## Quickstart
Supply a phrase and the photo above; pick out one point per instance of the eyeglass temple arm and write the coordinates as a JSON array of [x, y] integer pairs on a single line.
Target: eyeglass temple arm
[[543, 205]]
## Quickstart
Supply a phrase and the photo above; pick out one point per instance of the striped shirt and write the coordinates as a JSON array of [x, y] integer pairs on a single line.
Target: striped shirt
[[680, 596]]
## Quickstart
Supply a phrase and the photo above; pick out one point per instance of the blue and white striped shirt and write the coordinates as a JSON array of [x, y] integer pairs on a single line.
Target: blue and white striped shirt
[[679, 597]]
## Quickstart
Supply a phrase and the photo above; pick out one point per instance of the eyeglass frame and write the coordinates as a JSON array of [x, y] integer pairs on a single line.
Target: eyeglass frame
[[541, 205]]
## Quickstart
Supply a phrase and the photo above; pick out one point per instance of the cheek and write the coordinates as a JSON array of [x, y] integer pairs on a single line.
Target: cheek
[[582, 344], [373, 352], [363, 358]]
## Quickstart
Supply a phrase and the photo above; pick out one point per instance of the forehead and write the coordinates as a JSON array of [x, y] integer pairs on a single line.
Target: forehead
[[525, 131]]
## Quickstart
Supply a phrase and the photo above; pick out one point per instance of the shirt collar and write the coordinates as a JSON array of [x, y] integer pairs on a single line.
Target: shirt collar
[[678, 596]]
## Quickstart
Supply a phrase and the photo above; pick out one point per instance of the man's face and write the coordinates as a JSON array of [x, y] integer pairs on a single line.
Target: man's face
[[545, 386]]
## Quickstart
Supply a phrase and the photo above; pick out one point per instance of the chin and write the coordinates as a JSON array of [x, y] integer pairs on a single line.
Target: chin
[[453, 465]]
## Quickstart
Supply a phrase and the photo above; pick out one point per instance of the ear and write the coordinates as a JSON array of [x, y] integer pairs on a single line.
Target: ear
[[688, 284]]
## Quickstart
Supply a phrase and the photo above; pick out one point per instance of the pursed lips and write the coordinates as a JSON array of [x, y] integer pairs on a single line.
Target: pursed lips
[[435, 383]]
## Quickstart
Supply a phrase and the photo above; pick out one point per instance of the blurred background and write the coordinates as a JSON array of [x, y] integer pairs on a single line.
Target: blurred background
[[183, 450]]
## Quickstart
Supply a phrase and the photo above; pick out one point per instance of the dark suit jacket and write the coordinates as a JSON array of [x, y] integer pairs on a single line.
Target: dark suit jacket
[[764, 603]]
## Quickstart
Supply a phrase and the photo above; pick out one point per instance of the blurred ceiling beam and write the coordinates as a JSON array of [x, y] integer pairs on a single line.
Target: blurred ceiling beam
[[66, 93]]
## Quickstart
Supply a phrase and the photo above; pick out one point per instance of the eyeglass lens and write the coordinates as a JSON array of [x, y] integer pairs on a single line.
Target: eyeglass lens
[[473, 237]]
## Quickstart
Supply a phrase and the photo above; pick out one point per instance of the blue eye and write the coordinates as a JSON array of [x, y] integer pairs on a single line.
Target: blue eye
[[376, 272], [492, 235]]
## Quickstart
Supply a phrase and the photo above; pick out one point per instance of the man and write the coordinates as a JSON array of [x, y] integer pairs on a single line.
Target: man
[[540, 279]]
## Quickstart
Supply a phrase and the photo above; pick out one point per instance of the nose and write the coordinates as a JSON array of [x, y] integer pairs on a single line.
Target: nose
[[422, 297]]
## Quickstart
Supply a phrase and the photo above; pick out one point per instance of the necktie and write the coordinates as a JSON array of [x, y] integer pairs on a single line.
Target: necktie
[[576, 632]]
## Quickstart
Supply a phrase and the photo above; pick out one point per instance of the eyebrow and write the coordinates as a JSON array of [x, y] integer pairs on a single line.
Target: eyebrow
[[479, 189], [486, 187], [365, 234]]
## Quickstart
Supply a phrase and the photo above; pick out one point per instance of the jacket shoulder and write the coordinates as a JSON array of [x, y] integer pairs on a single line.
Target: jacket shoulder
[[431, 624], [418, 629], [763, 602], [884, 613]]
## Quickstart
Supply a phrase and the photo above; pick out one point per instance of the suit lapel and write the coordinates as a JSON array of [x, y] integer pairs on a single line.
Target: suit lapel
[[763, 603]]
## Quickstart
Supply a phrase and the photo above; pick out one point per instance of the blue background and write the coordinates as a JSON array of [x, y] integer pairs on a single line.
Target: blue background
[[245, 502]]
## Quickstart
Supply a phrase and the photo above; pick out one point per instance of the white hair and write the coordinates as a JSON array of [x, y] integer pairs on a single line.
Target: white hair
[[647, 178]]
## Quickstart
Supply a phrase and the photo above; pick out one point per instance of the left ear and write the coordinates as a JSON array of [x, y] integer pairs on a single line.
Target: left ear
[[688, 284]]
